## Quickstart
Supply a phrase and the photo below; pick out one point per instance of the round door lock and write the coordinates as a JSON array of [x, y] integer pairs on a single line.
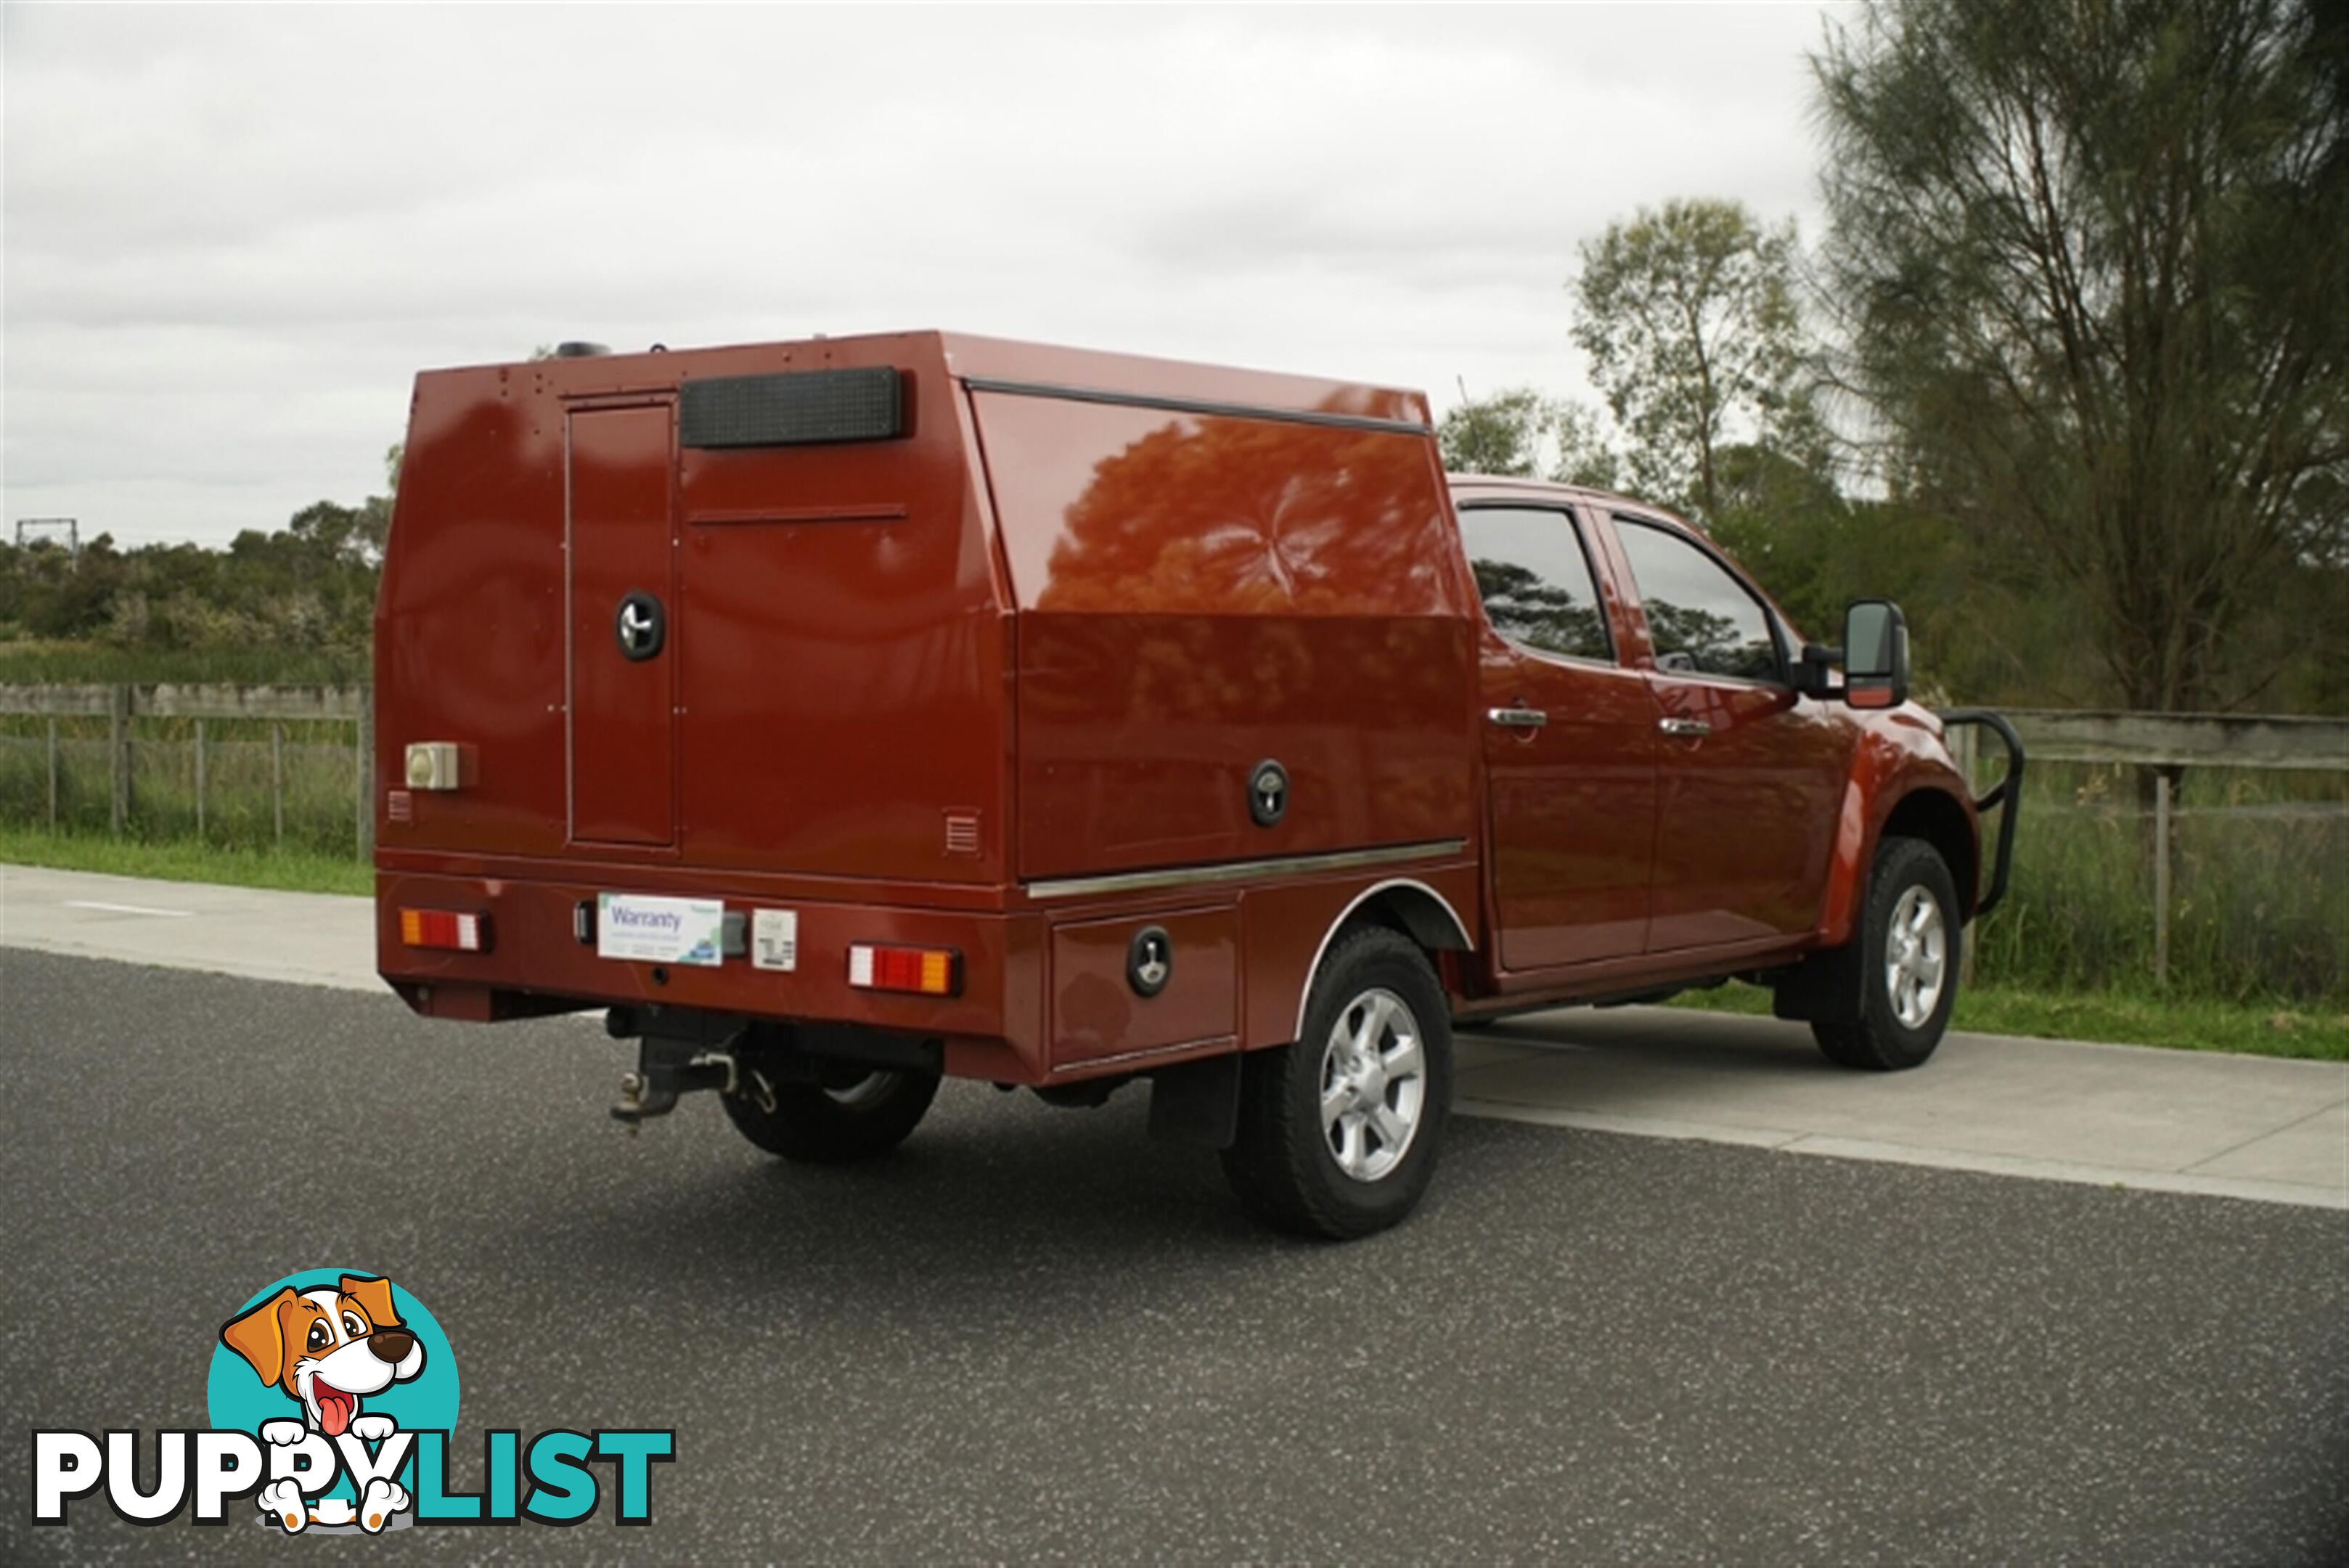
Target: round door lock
[[641, 625], [1149, 961], [1268, 793]]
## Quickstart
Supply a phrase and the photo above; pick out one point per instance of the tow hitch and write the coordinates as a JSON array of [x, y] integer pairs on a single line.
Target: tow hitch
[[677, 1054]]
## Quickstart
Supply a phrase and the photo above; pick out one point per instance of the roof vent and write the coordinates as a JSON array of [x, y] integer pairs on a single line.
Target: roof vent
[[579, 350]]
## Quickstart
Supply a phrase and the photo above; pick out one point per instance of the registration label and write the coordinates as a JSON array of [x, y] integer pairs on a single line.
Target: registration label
[[775, 939], [649, 929]]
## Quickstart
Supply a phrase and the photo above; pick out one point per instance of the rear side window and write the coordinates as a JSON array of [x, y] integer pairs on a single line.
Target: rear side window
[[1701, 618], [1536, 580]]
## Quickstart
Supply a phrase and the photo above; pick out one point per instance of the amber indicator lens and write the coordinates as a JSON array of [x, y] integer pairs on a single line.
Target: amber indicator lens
[[926, 972], [465, 933]]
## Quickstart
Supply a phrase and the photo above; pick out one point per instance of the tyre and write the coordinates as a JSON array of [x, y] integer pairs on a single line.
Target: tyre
[[1338, 1132], [849, 1113], [1905, 952]]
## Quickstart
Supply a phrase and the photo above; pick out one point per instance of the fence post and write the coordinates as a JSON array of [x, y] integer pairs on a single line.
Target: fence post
[[277, 779], [2161, 878], [118, 729], [53, 772], [200, 760], [365, 771]]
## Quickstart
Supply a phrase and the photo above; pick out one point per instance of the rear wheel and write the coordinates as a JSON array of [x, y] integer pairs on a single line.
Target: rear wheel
[[1337, 1132], [849, 1113], [1901, 971]]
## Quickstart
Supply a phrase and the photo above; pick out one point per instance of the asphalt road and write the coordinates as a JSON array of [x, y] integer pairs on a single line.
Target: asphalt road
[[1035, 1335]]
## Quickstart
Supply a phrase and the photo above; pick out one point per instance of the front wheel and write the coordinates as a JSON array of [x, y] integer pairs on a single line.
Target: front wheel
[[851, 1113], [1906, 951], [1337, 1132]]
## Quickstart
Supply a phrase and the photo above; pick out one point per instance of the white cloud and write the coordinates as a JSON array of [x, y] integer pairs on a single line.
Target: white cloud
[[232, 235]]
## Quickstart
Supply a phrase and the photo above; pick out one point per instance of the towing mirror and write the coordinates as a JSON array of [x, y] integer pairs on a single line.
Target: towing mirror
[[1875, 654]]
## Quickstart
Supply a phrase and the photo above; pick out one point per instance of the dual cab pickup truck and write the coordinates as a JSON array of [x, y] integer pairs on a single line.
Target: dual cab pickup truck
[[846, 714]]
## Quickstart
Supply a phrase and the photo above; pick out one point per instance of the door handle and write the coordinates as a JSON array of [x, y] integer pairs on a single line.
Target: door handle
[[1517, 718], [1687, 729]]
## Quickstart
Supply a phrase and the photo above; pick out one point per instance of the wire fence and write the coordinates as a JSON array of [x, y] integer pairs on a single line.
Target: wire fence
[[238, 765]]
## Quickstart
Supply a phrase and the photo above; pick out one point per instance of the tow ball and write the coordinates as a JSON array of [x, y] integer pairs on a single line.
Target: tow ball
[[676, 1055]]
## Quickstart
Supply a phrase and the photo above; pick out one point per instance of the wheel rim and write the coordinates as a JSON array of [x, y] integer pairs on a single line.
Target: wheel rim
[[1373, 1086], [866, 1091], [1916, 957]]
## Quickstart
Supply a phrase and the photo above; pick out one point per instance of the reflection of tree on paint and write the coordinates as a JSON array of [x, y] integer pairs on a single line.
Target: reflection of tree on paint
[[1528, 611], [1236, 588], [1709, 643], [1234, 516]]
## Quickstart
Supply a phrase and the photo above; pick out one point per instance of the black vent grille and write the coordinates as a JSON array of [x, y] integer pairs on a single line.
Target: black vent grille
[[799, 408]]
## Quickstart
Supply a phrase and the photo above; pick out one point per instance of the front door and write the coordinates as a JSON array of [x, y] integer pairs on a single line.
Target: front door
[[623, 627], [1749, 776], [1569, 746]]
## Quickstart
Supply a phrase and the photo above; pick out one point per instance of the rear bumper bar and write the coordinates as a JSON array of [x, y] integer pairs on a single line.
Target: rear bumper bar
[[538, 964]]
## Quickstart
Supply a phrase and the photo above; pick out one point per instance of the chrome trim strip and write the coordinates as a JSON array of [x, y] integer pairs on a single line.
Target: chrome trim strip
[[1195, 406], [1241, 870], [1305, 996], [1123, 1056]]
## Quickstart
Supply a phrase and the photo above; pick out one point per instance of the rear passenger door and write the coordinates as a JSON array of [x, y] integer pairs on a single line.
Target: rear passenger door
[[1570, 745]]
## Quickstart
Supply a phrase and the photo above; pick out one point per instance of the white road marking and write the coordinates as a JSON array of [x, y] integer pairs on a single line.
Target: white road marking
[[129, 909]]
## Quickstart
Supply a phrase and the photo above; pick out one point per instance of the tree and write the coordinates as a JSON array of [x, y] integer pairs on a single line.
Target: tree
[[1523, 433], [1688, 314], [2089, 263], [1499, 434], [1584, 452]]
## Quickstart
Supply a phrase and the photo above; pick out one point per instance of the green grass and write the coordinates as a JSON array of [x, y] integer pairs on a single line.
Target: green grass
[[318, 777], [2129, 1018], [34, 662], [2259, 901], [184, 860]]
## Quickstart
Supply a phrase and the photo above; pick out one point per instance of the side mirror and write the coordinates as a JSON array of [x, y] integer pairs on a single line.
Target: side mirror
[[1875, 654]]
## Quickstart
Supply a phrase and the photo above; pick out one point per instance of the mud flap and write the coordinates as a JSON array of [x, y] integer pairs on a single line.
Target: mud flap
[[1824, 986], [1197, 1102]]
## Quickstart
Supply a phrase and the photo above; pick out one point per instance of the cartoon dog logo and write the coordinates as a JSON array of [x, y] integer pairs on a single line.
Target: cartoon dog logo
[[328, 1349]]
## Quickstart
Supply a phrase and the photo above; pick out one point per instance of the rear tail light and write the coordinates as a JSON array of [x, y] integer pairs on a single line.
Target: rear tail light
[[445, 928], [926, 972]]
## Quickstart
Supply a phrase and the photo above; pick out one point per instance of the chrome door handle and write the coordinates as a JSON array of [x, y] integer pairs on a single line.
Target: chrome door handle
[[1690, 729], [1517, 718]]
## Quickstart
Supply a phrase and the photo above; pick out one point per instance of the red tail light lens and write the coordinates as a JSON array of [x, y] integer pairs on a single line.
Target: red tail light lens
[[465, 933], [926, 972]]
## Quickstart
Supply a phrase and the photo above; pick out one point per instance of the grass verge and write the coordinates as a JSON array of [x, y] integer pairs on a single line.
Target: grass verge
[[2174, 1022], [183, 860]]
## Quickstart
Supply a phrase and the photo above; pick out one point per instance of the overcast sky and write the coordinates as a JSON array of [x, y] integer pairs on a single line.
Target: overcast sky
[[233, 236]]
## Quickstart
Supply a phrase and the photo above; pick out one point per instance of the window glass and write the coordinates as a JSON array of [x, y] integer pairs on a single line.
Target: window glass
[[1701, 618], [1535, 580]]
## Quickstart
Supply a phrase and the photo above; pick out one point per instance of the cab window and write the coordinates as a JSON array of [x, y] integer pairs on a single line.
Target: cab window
[[1701, 618], [1536, 580]]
